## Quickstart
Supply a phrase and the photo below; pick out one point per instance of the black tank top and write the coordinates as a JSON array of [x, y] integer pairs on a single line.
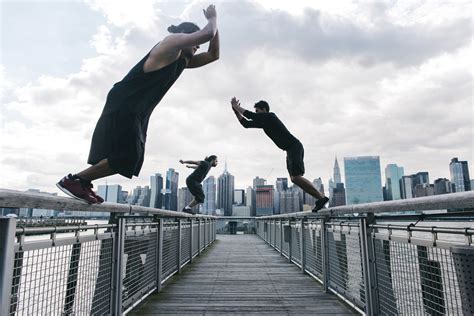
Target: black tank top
[[139, 92], [201, 171]]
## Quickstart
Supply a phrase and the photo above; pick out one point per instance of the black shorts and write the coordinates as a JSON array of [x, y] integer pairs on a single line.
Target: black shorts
[[195, 188], [294, 159]]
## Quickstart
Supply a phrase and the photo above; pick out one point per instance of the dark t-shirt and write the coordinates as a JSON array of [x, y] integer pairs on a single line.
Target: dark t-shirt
[[272, 126], [201, 171]]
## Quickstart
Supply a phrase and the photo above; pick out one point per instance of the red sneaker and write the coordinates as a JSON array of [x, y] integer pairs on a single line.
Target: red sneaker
[[88, 186], [75, 189]]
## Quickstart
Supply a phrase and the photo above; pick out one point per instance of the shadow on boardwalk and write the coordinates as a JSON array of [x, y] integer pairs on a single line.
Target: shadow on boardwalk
[[240, 274]]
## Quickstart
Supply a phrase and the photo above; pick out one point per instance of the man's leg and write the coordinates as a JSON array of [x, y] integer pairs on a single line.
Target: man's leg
[[79, 186], [101, 169], [307, 186], [193, 203]]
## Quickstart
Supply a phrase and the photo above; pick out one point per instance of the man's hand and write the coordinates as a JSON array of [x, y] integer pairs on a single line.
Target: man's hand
[[210, 12], [235, 103], [181, 161]]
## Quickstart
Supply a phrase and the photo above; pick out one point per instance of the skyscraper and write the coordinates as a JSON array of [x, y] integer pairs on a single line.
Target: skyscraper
[[442, 186], [239, 197], [171, 190], [337, 172], [281, 185], [407, 184], [156, 196], [184, 198], [225, 192], [339, 195], [140, 196], [459, 171], [393, 175], [258, 181], [289, 201], [111, 193], [264, 200], [209, 188], [250, 200], [363, 179]]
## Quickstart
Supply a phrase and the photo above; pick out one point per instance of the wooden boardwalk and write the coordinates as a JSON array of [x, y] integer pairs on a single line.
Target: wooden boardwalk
[[241, 275]]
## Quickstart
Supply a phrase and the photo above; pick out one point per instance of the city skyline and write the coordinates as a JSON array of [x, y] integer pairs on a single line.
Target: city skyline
[[391, 79]]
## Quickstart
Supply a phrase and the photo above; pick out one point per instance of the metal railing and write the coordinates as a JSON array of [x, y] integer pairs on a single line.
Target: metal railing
[[379, 264], [102, 269]]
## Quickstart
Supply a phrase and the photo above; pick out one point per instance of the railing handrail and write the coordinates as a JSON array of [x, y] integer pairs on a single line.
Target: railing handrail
[[18, 199], [435, 202]]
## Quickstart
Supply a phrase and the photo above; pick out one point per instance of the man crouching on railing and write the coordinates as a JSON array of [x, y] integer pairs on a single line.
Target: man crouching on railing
[[193, 181]]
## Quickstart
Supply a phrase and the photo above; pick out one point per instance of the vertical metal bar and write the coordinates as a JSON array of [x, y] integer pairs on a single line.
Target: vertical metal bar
[[191, 240], [303, 247], [199, 237], [368, 278], [72, 277], [180, 232], [281, 237], [274, 234], [159, 253], [7, 258], [117, 274], [325, 254], [290, 240]]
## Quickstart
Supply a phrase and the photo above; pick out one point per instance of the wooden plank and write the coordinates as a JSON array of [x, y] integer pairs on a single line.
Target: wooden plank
[[241, 275]]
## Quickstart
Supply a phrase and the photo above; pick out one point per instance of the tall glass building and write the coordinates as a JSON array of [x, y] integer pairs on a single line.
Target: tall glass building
[[363, 179], [171, 190], [156, 198], [225, 192], [460, 175], [393, 175], [209, 188]]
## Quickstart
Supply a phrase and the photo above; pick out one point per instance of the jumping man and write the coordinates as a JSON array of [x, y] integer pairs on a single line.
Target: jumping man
[[279, 134], [193, 181], [118, 143]]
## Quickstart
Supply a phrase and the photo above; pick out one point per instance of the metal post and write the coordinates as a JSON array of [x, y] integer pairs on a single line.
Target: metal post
[[274, 233], [303, 247], [159, 253], [290, 248], [325, 254], [7, 261], [117, 277], [191, 240], [199, 237], [180, 231], [368, 273], [281, 237], [72, 276]]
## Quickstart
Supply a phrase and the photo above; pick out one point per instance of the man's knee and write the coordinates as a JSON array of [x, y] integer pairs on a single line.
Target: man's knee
[[294, 179]]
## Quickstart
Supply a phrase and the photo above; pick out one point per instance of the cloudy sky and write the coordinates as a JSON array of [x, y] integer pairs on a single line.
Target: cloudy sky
[[348, 78]]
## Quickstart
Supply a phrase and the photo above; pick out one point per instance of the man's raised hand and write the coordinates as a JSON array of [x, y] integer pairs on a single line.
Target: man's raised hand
[[210, 12]]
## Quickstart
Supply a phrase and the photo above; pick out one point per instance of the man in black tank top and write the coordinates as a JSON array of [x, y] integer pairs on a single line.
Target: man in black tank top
[[118, 142], [193, 181], [279, 134]]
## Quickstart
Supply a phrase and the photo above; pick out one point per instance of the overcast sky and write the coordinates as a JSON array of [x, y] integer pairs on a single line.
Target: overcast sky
[[348, 78]]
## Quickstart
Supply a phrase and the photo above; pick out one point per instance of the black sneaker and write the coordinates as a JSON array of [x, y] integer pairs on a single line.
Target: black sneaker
[[189, 211], [320, 204]]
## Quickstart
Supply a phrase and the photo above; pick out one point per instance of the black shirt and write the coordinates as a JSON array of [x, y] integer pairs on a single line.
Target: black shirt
[[201, 171], [272, 126]]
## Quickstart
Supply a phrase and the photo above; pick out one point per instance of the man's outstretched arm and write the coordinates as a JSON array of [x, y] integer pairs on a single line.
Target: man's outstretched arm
[[211, 55], [191, 162], [238, 110]]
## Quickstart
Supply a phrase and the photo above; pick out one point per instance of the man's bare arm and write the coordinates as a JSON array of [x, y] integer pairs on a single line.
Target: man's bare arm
[[211, 55], [192, 162]]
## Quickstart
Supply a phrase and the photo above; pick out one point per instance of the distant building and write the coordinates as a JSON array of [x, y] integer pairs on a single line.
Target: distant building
[[156, 195], [250, 200], [38, 212], [111, 193], [239, 197], [209, 188], [423, 189], [225, 192], [240, 210], [140, 196], [184, 198], [171, 190], [393, 175], [289, 201], [442, 186], [264, 200], [258, 182], [407, 184], [363, 179], [459, 171], [339, 195]]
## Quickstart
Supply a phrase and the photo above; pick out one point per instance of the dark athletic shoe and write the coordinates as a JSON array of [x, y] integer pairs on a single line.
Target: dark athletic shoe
[[76, 189], [189, 211], [320, 204], [88, 186]]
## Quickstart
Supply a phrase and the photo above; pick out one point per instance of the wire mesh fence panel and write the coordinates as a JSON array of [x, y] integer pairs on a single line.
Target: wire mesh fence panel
[[201, 245], [277, 236], [140, 253], [195, 238], [345, 264], [170, 249], [295, 243], [185, 242], [313, 250], [416, 279], [286, 239], [62, 277]]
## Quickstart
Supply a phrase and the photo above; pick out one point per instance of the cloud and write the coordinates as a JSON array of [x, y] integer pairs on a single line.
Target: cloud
[[393, 80]]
